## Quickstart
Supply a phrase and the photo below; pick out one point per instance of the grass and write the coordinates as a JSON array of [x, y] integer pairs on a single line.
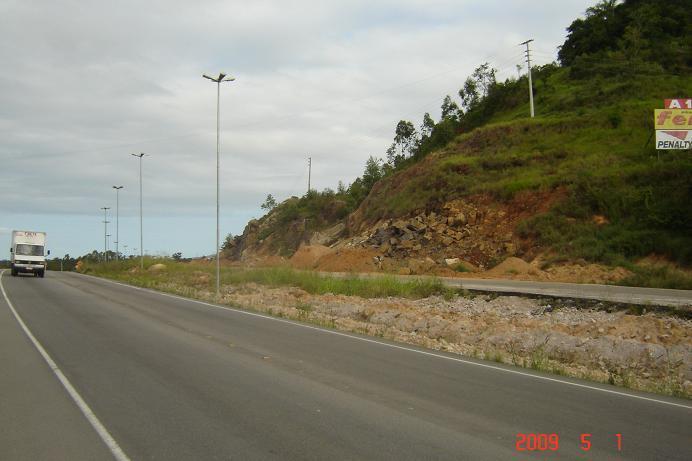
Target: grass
[[658, 276], [202, 276]]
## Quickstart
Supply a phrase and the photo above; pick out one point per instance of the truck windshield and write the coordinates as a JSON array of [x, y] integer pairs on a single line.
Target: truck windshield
[[29, 250]]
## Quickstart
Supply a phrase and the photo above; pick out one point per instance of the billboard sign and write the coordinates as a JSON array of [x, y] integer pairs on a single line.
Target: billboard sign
[[674, 124], [675, 119], [673, 139], [680, 103]]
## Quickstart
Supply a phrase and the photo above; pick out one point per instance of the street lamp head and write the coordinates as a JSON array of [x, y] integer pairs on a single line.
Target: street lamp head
[[221, 78], [140, 155], [118, 187]]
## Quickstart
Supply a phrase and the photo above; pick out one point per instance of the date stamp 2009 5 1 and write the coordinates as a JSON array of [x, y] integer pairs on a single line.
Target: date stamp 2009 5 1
[[551, 442]]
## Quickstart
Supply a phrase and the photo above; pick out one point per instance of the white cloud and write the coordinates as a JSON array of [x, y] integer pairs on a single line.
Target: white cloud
[[83, 84]]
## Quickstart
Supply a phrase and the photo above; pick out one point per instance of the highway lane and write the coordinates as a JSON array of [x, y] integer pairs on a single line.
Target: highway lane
[[176, 379], [38, 420]]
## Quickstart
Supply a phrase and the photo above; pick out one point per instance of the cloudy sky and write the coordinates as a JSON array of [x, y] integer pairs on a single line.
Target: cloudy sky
[[85, 84]]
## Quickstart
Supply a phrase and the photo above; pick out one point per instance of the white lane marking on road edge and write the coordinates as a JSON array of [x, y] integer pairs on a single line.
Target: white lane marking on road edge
[[395, 346], [110, 442]]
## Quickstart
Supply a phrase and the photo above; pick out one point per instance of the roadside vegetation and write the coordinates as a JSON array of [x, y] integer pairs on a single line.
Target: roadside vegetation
[[202, 276]]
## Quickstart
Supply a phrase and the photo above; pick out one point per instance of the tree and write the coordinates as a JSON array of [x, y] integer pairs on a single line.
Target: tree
[[269, 203], [596, 32], [177, 256], [484, 75], [469, 94], [477, 86], [622, 38], [393, 158], [405, 135], [228, 242], [405, 143], [427, 126], [372, 173], [450, 110], [356, 193]]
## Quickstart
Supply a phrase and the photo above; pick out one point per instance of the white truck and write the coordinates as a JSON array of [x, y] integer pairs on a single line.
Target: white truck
[[27, 254]]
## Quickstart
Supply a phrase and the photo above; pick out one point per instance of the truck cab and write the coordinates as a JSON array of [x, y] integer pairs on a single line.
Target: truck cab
[[27, 254]]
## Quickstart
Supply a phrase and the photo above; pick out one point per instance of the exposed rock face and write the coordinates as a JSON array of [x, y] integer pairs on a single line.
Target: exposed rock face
[[459, 231], [466, 236], [257, 240], [328, 236]]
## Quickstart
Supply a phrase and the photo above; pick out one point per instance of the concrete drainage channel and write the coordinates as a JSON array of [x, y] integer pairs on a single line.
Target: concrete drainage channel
[[610, 293]]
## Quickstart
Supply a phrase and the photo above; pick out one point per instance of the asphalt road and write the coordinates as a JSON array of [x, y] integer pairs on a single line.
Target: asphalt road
[[170, 378]]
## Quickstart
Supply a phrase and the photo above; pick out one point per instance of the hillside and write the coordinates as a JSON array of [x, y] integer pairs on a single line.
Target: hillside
[[580, 183]]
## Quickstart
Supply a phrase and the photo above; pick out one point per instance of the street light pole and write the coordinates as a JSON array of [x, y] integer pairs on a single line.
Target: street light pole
[[105, 232], [117, 221], [141, 226], [221, 78]]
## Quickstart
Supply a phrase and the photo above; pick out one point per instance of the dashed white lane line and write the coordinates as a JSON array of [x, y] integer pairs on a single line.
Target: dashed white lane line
[[110, 442], [395, 346]]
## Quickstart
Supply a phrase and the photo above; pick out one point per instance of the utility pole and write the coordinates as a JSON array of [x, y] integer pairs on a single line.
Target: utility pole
[[528, 63], [141, 227], [309, 172], [105, 232], [117, 221], [221, 78]]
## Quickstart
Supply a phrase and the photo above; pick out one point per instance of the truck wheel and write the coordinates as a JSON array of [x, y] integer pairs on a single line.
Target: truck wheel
[[14, 272], [41, 273]]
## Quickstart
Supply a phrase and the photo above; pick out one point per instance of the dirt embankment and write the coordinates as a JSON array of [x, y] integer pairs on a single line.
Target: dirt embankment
[[651, 351], [475, 237]]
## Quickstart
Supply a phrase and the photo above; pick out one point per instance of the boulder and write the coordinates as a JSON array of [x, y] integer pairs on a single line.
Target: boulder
[[421, 266], [157, 267], [458, 220], [407, 244], [400, 225], [416, 226], [328, 236]]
